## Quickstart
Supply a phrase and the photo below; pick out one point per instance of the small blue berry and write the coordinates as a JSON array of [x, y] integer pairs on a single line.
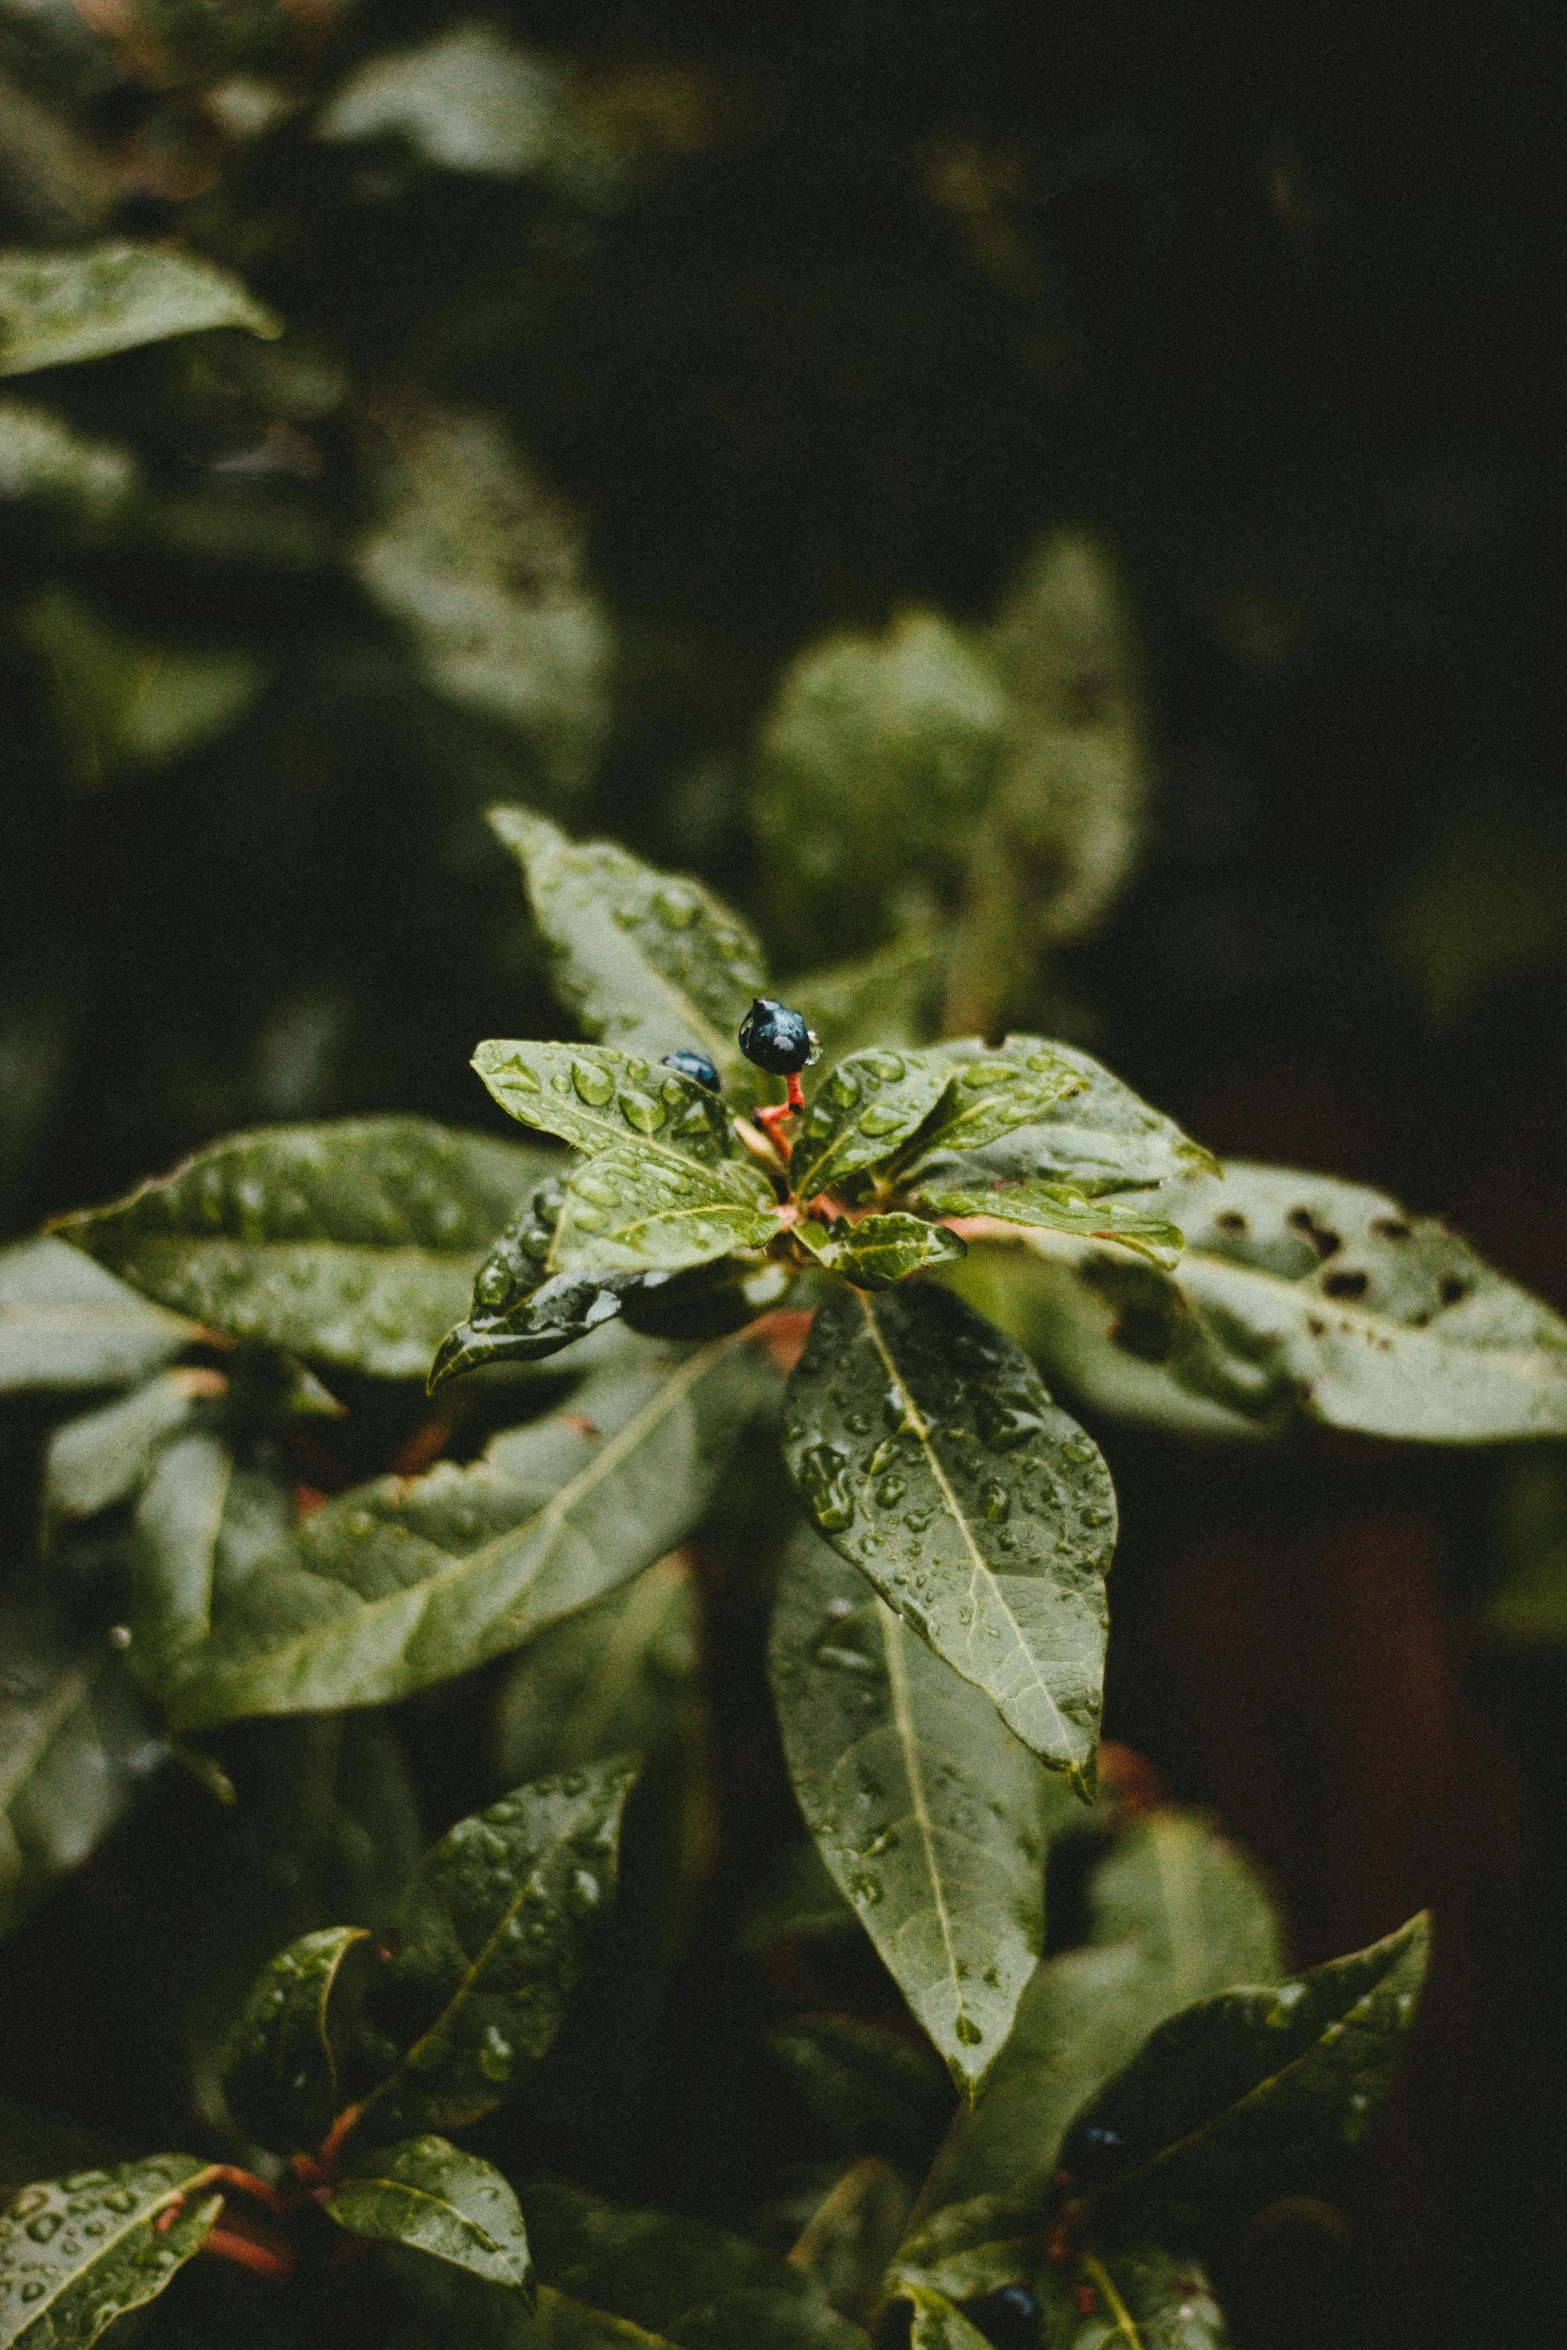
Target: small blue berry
[[775, 1039], [1008, 2319], [696, 1066], [1092, 2153]]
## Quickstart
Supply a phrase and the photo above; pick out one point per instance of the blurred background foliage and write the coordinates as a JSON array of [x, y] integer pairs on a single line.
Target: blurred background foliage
[[1071, 496]]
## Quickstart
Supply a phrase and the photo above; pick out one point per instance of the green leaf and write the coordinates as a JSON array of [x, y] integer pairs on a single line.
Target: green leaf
[[852, 2234], [929, 1454], [57, 308], [598, 1098], [872, 2090], [544, 1319], [77, 2252], [697, 2286], [92, 1462], [878, 1000], [608, 1680], [863, 1110], [1100, 1139], [625, 1213], [174, 1553], [127, 701], [425, 2194], [940, 2326], [1056, 1207], [1231, 2099], [1303, 1297], [565, 2324], [930, 1815], [991, 1092], [352, 1243], [66, 1323], [486, 1943], [649, 961], [881, 1251], [280, 2069], [43, 457], [1145, 2300], [406, 1581], [75, 1744]]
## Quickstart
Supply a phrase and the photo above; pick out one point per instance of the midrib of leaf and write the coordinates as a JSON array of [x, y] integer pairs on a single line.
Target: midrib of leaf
[[116, 2237], [70, 1691], [908, 1740], [328, 1985], [721, 1046], [981, 1570], [401, 2187], [647, 1146], [1103, 2282]]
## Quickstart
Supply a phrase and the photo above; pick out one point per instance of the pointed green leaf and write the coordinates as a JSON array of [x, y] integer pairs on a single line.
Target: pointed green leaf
[[1302, 1296], [65, 1322], [649, 961], [938, 2325], [598, 1098], [1100, 1138], [1231, 2099], [930, 1815], [44, 457], [77, 2252], [1056, 1207], [1144, 2300], [565, 2324], [58, 308], [75, 1744], [695, 2285], [863, 1110], [102, 1458], [554, 1315], [280, 2069], [991, 1092], [881, 1251], [608, 1680], [174, 1552], [408, 1580], [624, 1212], [426, 2194], [486, 1945], [877, 1000], [929, 1454], [351, 1243]]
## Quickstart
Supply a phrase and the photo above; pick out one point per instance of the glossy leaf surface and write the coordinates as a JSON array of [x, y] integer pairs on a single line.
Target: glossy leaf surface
[[991, 1093], [174, 1552], [604, 1681], [66, 1323], [600, 1099], [1101, 1138], [624, 1213], [1146, 2300], [1300, 1296], [56, 308], [1056, 1207], [864, 1108], [353, 1243], [406, 1581], [427, 2194], [880, 1251], [280, 2075], [927, 1451], [101, 1458], [649, 961], [486, 1943], [930, 1815], [78, 2252]]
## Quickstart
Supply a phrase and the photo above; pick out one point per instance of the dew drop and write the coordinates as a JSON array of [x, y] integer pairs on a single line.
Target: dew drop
[[33, 2290], [968, 2031], [588, 1218], [879, 1121], [995, 1501], [642, 1111], [41, 2230], [890, 1492], [593, 1084], [826, 1488]]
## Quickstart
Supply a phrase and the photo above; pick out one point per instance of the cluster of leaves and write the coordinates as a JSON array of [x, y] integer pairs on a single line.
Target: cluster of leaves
[[937, 1647]]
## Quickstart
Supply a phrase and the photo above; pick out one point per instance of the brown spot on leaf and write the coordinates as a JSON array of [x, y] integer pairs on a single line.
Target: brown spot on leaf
[[1321, 1236], [1316, 1326], [1392, 1228], [1230, 1220], [1349, 1283], [1451, 1289]]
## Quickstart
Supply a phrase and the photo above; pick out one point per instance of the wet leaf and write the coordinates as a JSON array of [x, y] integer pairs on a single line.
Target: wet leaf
[[880, 999], [1100, 1139], [697, 2286], [58, 308], [406, 1581], [929, 1454], [938, 2325], [929, 1814], [174, 1553], [77, 2252], [1300, 1296], [425, 2194], [1057, 1207], [649, 961], [553, 1314], [1176, 1913], [989, 1093], [863, 1110], [487, 1941], [352, 1243], [1231, 2099], [608, 1680], [881, 1251], [45, 458], [280, 2069], [66, 1323], [92, 1462], [598, 1098], [627, 1213], [75, 1744], [1146, 2300]]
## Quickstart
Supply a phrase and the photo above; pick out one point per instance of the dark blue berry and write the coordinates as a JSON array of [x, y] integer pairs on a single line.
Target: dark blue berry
[[1092, 2153], [774, 1038], [696, 1066], [1008, 2319]]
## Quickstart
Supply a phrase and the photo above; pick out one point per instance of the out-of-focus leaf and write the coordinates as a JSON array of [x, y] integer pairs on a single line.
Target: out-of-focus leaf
[[43, 457], [473, 101], [66, 1323], [1487, 903], [874, 766], [1229, 2100], [280, 2071], [407, 1581], [866, 1107], [878, 1000], [929, 1454], [625, 1212], [931, 1816], [1529, 1605], [56, 308], [938, 2325], [74, 1746], [474, 558], [1100, 1138], [1056, 1207], [565, 2324], [1176, 1913], [1301, 1296], [352, 1243], [881, 1251], [77, 2252], [486, 1944], [873, 2090], [853, 2233], [607, 1680], [126, 701], [174, 1553], [698, 2287], [1144, 2300], [426, 2194], [99, 1459], [649, 961]]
